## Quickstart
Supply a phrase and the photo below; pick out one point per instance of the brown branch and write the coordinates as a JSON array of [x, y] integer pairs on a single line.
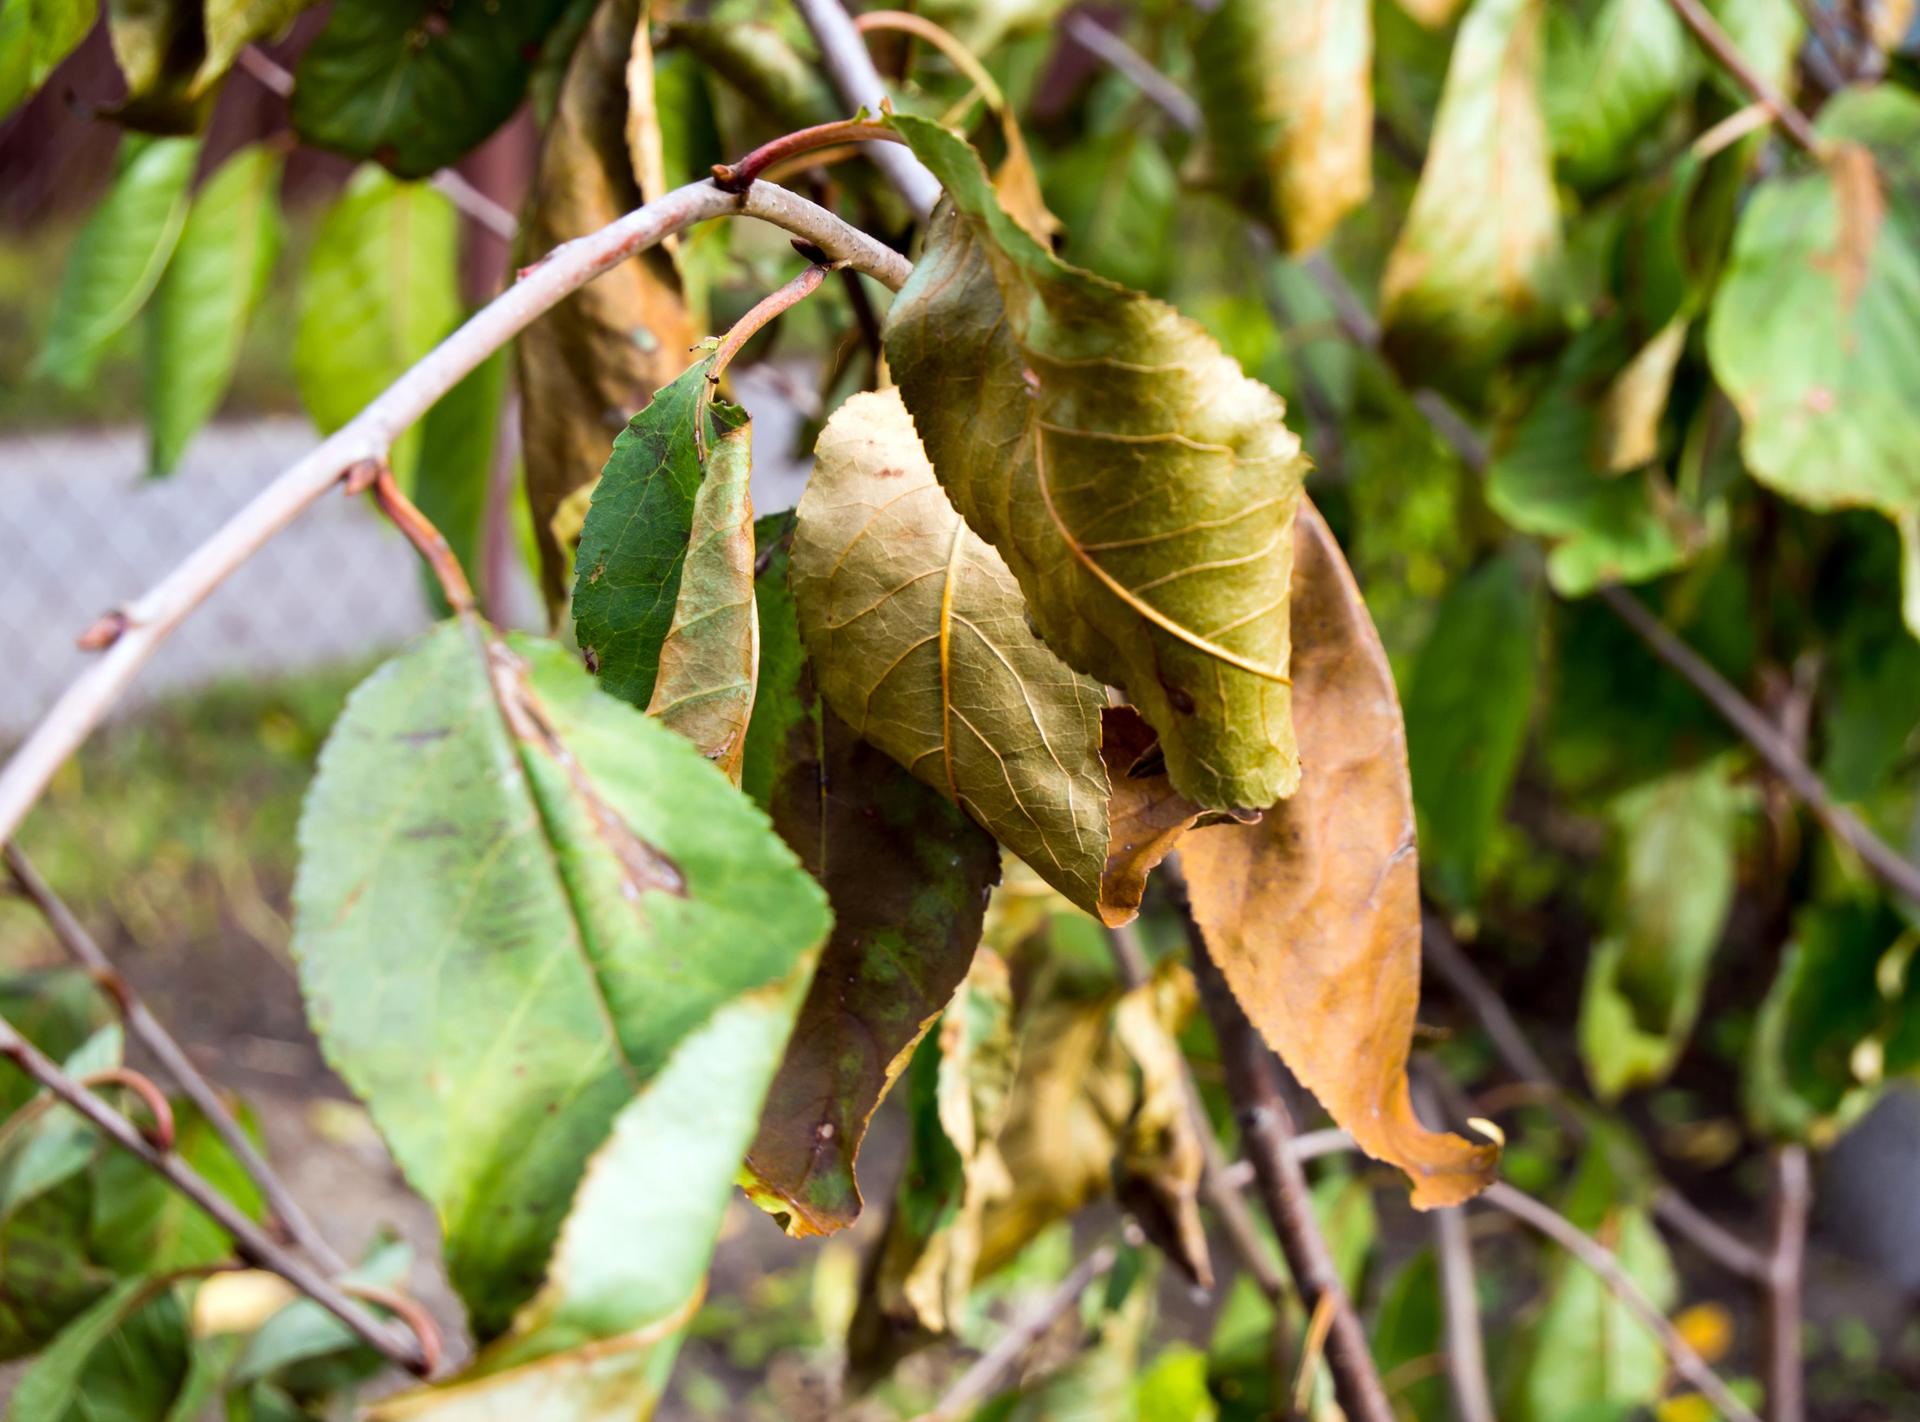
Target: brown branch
[[252, 1242], [427, 539], [1888, 865], [1786, 1268], [1597, 1257], [148, 1030], [763, 311], [736, 177], [1217, 1180], [142, 625], [991, 1369], [1718, 43], [1266, 1130]]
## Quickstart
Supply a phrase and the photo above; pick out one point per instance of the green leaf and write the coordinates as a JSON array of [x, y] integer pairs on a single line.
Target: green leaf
[[303, 1338], [1287, 90], [117, 260], [633, 545], [456, 466], [1174, 1388], [1841, 1020], [142, 1224], [1587, 1347], [1117, 194], [1469, 703], [1408, 1329], [919, 640], [1469, 279], [1811, 333], [416, 84], [48, 1144], [629, 1267], [1548, 478], [597, 356], [587, 896], [123, 1360], [785, 87], [232, 25], [907, 874], [1039, 391], [200, 310], [1614, 69], [379, 292], [35, 35], [1767, 33], [159, 45], [1677, 840]]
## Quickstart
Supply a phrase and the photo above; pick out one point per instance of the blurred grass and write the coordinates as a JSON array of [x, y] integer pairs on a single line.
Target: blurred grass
[[179, 825]]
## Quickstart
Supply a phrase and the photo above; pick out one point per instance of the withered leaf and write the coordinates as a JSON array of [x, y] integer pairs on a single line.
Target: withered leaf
[[1157, 1175], [709, 660], [1287, 90], [1314, 913], [1139, 486], [907, 875], [597, 356], [919, 640], [1470, 278]]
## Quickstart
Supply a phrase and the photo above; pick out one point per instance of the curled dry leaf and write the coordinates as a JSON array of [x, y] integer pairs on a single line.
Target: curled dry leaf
[[1140, 487], [907, 875], [1157, 1174], [1287, 90], [1314, 913], [1469, 279], [597, 356], [919, 639], [710, 658]]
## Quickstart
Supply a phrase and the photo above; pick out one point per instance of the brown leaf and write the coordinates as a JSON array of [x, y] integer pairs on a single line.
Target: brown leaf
[[1314, 913], [1145, 815], [598, 356], [908, 875]]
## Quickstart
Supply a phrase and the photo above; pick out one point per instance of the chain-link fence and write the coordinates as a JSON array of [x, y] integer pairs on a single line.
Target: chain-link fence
[[81, 531]]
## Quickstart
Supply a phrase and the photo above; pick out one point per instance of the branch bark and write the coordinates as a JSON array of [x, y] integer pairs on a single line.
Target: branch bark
[[134, 632], [252, 1241], [1266, 1130], [1597, 1257], [858, 84], [147, 1029], [1718, 43], [1786, 1270]]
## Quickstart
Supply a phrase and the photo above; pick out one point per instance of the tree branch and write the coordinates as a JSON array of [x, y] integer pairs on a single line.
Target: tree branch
[[1786, 1268], [134, 632], [252, 1242], [1103, 44], [1459, 1298], [1718, 43], [1216, 1175], [1888, 865], [858, 84], [1266, 1130], [1597, 1257], [147, 1029], [985, 1377]]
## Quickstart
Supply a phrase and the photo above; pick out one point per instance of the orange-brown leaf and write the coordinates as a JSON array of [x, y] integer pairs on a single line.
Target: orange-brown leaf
[[1314, 913]]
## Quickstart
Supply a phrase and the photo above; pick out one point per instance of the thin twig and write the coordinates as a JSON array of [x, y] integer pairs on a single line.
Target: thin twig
[[426, 538], [858, 84], [1597, 1257], [1444, 956], [764, 310], [253, 1242], [462, 194], [1265, 1130], [1718, 43], [1103, 44], [1459, 1298], [1786, 1265], [1217, 1181], [990, 1371], [142, 625], [1893, 869], [734, 177], [147, 1030]]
